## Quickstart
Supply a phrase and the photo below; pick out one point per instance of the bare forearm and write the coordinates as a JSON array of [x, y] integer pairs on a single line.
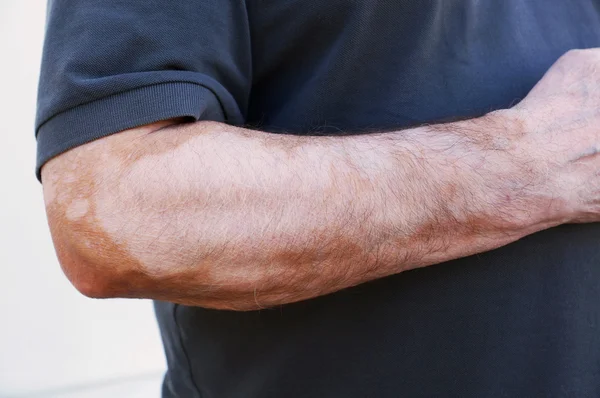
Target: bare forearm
[[211, 215]]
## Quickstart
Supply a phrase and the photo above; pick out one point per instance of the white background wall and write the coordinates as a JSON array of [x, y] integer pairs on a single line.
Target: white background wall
[[50, 336]]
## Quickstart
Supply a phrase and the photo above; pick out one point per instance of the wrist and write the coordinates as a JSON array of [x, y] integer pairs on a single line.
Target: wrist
[[518, 183]]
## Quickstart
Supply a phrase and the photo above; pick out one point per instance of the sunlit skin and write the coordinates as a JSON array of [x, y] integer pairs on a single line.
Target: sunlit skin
[[223, 217]]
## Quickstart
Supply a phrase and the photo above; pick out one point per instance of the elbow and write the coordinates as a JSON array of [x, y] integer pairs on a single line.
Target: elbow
[[92, 285], [102, 273], [96, 264], [88, 274], [100, 267], [92, 263]]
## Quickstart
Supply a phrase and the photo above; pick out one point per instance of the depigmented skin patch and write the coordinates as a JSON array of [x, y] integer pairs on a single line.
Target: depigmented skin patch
[[77, 209]]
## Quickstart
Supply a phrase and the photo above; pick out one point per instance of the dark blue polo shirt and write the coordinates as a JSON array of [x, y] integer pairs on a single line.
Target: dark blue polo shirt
[[519, 321]]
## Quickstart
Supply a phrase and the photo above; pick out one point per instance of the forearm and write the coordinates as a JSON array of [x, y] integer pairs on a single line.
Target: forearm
[[211, 215]]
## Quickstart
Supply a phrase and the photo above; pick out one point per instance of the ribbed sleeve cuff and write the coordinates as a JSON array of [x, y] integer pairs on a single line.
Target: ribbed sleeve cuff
[[126, 110]]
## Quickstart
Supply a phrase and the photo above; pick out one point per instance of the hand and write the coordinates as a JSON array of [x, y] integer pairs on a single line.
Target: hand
[[559, 143]]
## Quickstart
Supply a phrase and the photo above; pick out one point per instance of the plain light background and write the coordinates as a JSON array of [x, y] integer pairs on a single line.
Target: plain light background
[[53, 341]]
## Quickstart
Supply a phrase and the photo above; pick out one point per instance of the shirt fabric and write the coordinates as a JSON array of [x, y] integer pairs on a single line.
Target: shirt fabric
[[519, 321]]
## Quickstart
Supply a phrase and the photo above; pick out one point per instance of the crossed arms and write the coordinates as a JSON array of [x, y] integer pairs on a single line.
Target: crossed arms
[[223, 217]]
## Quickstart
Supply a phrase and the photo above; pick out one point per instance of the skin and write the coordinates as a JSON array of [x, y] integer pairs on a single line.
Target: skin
[[223, 217]]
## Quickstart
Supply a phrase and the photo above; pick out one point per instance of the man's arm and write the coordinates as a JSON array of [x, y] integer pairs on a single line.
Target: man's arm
[[217, 216]]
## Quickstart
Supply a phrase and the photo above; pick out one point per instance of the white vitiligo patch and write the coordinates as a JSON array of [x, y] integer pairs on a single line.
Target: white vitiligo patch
[[139, 192], [77, 209], [50, 192]]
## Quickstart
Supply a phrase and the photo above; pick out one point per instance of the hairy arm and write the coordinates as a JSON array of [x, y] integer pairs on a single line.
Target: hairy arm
[[217, 216]]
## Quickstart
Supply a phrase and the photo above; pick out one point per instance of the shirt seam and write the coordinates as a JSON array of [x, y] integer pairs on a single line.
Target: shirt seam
[[184, 351]]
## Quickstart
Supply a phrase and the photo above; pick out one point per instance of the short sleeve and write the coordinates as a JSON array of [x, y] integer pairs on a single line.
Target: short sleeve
[[110, 65]]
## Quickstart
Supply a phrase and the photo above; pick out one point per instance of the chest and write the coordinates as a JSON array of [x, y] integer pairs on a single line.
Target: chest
[[368, 63]]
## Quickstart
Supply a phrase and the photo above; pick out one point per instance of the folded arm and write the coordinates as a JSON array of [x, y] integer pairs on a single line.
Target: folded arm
[[212, 215]]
